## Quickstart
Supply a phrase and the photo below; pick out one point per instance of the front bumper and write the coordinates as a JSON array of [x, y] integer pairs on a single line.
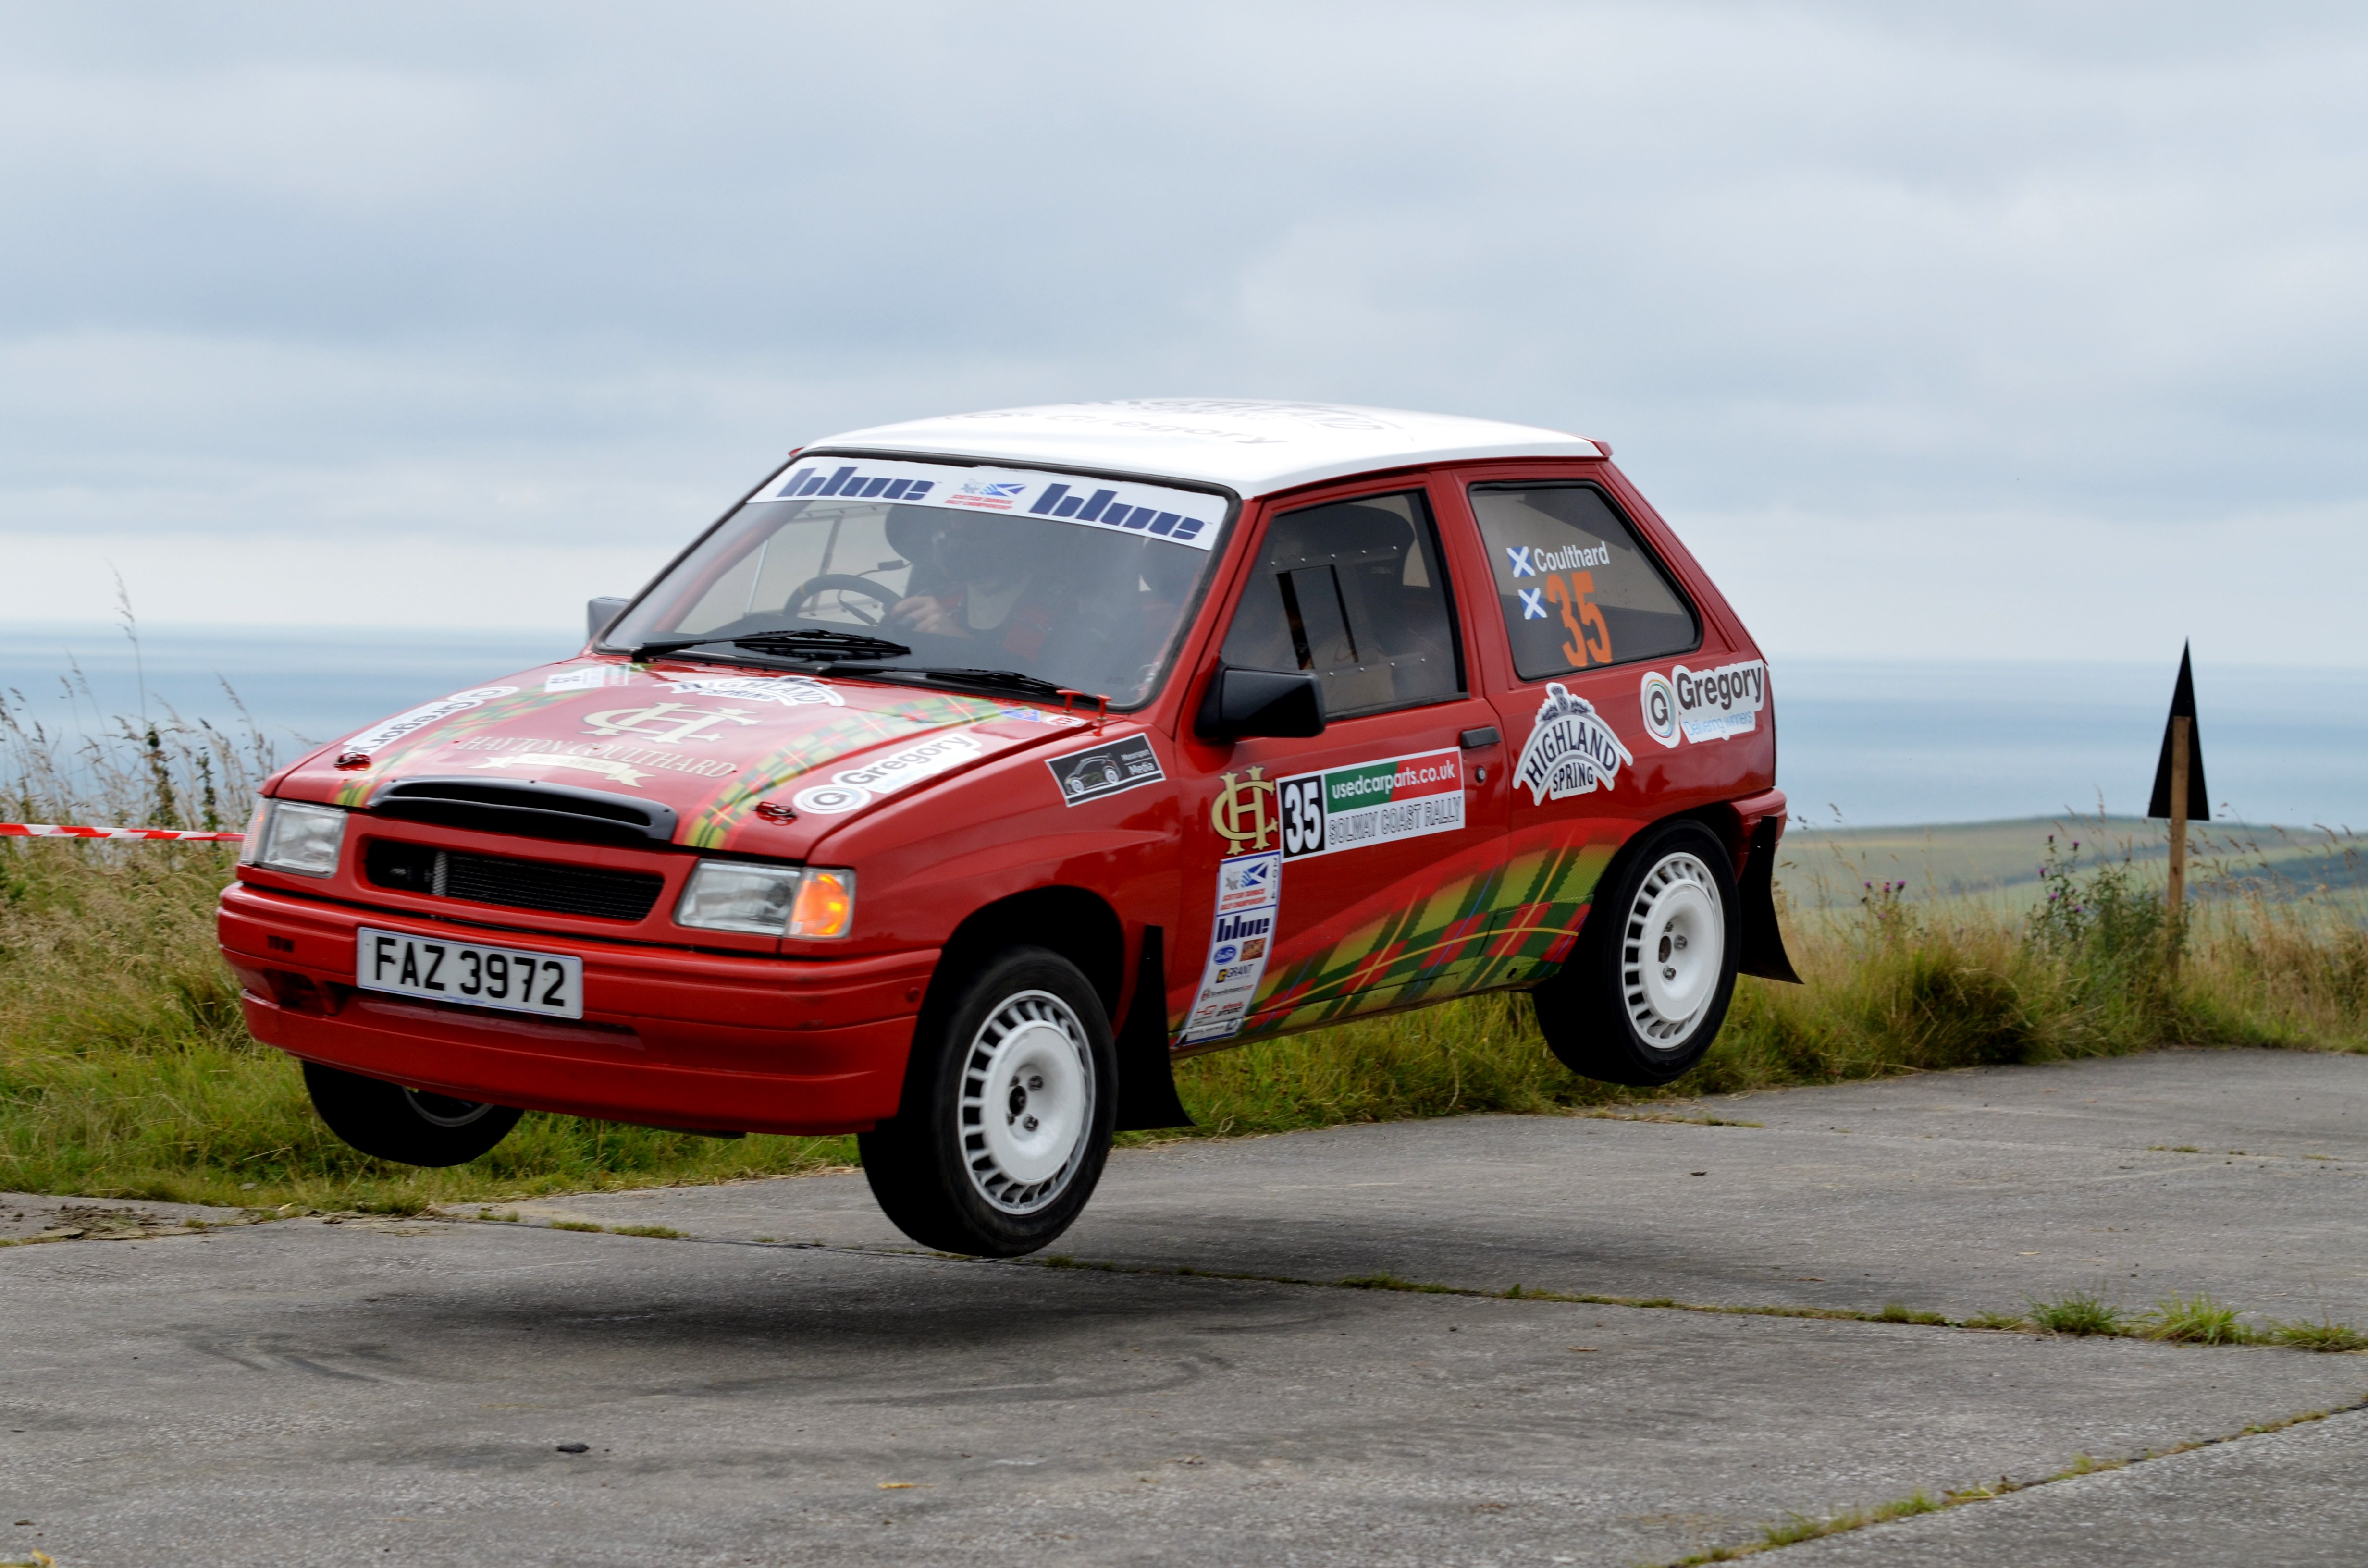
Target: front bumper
[[669, 1038]]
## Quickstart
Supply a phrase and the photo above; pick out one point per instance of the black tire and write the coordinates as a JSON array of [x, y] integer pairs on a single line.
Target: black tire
[[1637, 1003], [967, 1166], [410, 1127]]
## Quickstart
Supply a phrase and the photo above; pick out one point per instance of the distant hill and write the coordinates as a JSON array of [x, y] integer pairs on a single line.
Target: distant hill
[[1999, 862]]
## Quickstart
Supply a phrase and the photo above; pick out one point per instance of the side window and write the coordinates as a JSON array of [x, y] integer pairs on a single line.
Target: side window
[[1352, 592], [1576, 588]]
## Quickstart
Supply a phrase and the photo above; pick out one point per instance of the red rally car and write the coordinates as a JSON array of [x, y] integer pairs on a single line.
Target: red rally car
[[971, 770]]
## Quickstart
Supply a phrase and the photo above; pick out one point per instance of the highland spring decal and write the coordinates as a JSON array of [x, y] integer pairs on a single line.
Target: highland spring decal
[[1571, 751]]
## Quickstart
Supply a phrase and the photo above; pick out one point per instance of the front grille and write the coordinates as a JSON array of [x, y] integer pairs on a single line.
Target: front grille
[[514, 884]]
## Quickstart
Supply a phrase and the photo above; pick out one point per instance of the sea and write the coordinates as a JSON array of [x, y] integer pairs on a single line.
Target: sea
[[1860, 743]]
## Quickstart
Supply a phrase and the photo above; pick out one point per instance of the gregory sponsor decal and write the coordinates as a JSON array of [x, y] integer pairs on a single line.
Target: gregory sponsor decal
[[1657, 699], [1102, 770], [854, 787], [1571, 751], [1249, 902], [419, 718], [1711, 705], [1370, 803], [1155, 511]]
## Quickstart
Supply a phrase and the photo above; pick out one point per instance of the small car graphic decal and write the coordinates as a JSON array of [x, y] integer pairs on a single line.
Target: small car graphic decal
[[1102, 770]]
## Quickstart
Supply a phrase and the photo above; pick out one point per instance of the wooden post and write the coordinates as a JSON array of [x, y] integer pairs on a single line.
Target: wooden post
[[2177, 898]]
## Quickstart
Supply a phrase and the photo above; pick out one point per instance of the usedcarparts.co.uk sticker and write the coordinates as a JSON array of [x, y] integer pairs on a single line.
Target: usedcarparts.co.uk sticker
[[1704, 705], [1111, 770], [1571, 751], [1370, 803], [1241, 939]]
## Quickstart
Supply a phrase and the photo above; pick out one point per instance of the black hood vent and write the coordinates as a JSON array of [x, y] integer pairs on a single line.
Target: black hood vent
[[527, 810]]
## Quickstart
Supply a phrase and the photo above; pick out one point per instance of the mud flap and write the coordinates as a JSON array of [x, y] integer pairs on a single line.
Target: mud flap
[[1146, 1077], [1762, 949]]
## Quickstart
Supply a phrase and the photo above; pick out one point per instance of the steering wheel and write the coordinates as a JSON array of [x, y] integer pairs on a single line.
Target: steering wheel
[[813, 588]]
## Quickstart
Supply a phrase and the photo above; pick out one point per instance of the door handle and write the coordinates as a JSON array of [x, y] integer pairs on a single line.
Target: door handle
[[1473, 740]]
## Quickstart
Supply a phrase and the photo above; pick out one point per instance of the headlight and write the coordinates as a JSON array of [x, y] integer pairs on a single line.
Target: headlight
[[285, 836], [768, 901]]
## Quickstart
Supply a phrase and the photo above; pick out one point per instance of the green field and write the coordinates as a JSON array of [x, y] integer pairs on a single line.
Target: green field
[[1998, 862]]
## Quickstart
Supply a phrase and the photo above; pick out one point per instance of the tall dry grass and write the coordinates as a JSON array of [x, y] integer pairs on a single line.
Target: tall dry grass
[[125, 1070]]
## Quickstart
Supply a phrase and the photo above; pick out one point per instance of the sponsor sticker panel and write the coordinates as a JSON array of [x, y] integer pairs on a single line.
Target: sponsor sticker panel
[[421, 717], [1102, 771], [1249, 903], [1370, 803], [1714, 704], [1155, 511]]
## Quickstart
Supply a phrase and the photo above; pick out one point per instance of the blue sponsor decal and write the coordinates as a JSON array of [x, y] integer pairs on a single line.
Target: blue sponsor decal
[[848, 480]]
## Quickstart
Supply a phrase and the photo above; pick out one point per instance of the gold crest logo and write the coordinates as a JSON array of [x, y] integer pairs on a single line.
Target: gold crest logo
[[1240, 812], [663, 723]]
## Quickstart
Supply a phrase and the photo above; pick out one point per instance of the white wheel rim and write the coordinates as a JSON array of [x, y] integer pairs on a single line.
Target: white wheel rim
[[1673, 950], [1027, 1102]]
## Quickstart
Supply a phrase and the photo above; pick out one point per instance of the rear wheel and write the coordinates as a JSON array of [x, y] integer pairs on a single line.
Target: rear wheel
[[1649, 982], [1007, 1114], [410, 1127]]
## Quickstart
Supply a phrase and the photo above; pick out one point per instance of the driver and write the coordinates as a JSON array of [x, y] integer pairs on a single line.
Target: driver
[[993, 590]]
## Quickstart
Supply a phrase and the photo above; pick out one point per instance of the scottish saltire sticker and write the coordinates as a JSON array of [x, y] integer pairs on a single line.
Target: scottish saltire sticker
[[1370, 803], [1155, 511], [1241, 939]]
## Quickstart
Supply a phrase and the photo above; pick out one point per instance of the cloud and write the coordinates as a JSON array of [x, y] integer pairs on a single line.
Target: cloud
[[1877, 289]]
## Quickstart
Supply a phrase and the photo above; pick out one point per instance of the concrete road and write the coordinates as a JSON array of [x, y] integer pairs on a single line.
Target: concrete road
[[396, 1392]]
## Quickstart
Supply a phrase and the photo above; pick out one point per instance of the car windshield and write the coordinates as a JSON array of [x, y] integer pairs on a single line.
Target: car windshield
[[1079, 581]]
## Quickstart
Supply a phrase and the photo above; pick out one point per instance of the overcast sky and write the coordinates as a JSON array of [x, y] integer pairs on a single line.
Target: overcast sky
[[1999, 330]]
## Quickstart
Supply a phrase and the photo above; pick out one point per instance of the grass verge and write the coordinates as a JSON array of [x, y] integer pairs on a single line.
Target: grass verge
[[126, 1073]]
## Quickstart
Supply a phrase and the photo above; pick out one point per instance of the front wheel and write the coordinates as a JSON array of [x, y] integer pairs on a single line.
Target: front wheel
[[410, 1127], [1650, 976], [1006, 1114]]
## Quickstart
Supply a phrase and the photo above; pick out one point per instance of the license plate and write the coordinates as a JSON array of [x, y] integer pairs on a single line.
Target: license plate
[[401, 964]]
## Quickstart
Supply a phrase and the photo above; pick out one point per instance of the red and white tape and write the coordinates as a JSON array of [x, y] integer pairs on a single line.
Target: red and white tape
[[56, 830]]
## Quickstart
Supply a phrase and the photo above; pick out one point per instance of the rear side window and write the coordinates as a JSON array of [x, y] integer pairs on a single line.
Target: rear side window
[[1352, 592], [1576, 588]]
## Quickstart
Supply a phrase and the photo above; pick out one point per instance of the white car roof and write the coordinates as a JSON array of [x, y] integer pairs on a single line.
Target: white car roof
[[1250, 446]]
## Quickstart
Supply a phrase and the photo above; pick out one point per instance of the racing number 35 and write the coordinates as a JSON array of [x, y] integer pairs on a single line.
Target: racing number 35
[[1574, 594], [1303, 815]]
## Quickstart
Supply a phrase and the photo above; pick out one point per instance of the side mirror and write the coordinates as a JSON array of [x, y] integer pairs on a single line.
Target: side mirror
[[599, 614], [1244, 703]]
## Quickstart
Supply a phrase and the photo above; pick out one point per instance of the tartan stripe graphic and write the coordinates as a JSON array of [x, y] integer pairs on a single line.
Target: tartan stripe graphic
[[1515, 922], [846, 731]]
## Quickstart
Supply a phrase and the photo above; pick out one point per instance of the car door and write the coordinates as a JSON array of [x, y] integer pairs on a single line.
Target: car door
[[1331, 875], [1585, 612]]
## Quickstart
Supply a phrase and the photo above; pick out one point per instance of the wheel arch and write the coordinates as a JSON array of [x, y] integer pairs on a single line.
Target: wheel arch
[[1077, 924]]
